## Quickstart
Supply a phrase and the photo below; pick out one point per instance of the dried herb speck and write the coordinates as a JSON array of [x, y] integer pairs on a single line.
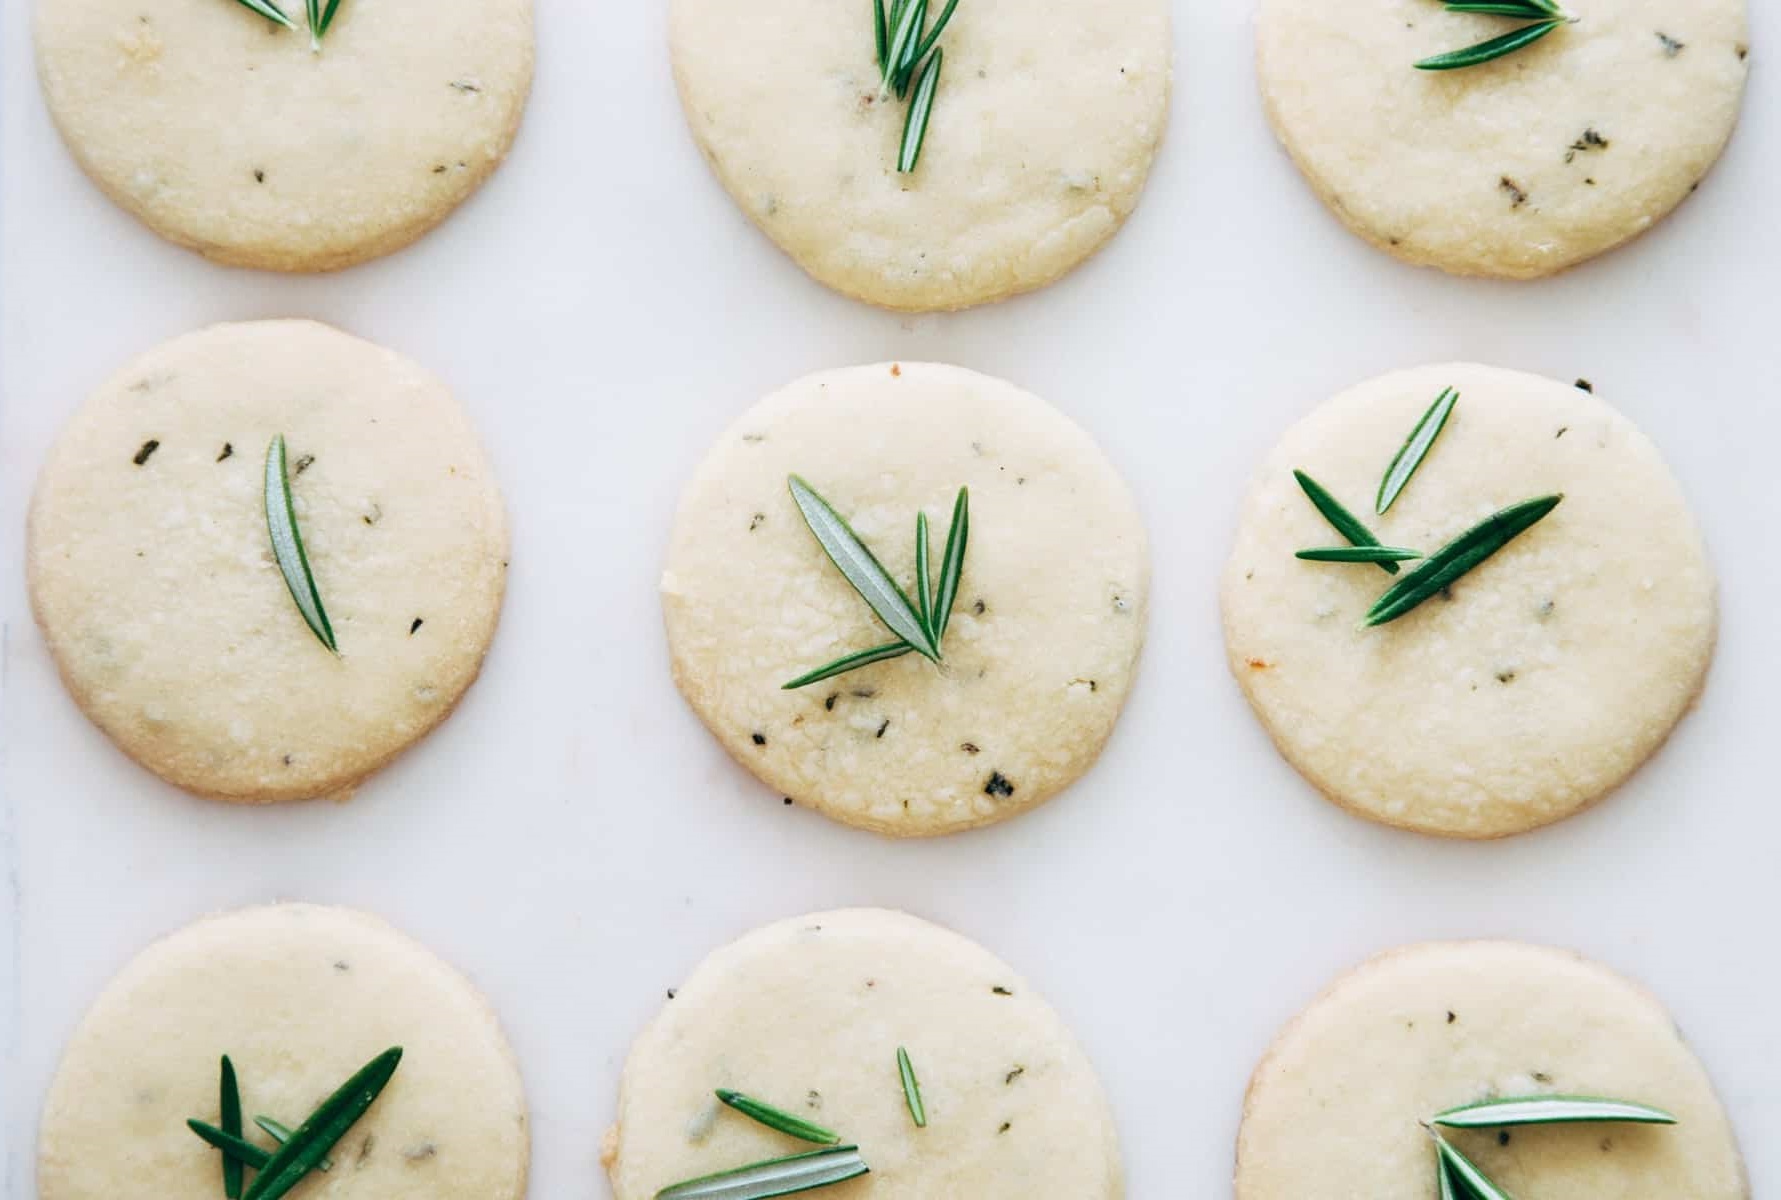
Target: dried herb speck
[[1583, 385], [148, 448], [1517, 196], [416, 627], [998, 785], [228, 451], [760, 739], [1590, 140], [1671, 46]]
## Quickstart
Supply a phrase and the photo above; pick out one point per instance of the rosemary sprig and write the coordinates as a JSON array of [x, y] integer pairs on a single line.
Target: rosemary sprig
[[777, 1118], [270, 10], [229, 1104], [1549, 1110], [774, 1177], [918, 628], [1415, 448], [918, 1111], [1458, 557], [1340, 519], [1358, 554], [325, 1126], [281, 1133], [287, 547], [906, 55], [1545, 15]]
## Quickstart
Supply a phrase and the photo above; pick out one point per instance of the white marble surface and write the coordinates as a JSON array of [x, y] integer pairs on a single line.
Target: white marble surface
[[575, 842]]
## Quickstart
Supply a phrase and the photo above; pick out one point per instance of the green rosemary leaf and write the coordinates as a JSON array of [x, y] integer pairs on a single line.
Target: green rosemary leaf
[[880, 34], [1340, 519], [281, 1133], [1456, 558], [270, 10], [287, 547], [1415, 448], [325, 1126], [1467, 1175], [924, 585], [921, 107], [238, 1148], [1495, 48], [229, 1104], [1549, 1110], [333, 6], [906, 67], [952, 563], [906, 32], [918, 1111], [1358, 554], [928, 42], [774, 1177], [778, 1118], [862, 569], [312, 9], [849, 662]]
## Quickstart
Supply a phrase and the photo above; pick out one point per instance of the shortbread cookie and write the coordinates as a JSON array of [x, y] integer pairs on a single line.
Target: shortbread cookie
[[1043, 640], [153, 575], [808, 1015], [1519, 167], [1535, 684], [299, 997], [226, 133], [1334, 1108], [1041, 137]]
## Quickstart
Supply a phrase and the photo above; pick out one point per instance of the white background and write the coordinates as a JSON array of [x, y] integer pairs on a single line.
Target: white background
[[575, 841]]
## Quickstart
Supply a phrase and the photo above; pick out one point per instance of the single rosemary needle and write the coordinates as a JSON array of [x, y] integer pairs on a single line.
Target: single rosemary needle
[[238, 1148], [1358, 554], [778, 1118], [287, 547], [1416, 447], [861, 568], [773, 1177], [1549, 1110], [921, 109], [1494, 48], [918, 1111], [1466, 1174], [230, 1108]]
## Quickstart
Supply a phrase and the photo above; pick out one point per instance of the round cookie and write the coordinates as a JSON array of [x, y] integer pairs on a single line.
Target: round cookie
[[299, 997], [152, 574], [1043, 641], [227, 134], [1335, 1107], [1517, 168], [1535, 684], [808, 1015], [1041, 137]]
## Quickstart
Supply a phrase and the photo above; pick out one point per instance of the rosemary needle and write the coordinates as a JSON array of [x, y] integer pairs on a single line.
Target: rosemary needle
[[270, 10], [923, 584], [1495, 48], [239, 1148], [777, 1118], [287, 547], [1549, 1110], [1415, 448], [774, 1177], [1456, 558], [918, 1111], [952, 563], [861, 568], [1358, 554], [921, 108], [1466, 1174], [230, 1107]]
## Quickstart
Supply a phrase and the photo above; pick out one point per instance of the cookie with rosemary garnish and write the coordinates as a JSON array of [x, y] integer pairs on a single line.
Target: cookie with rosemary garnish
[[1467, 601], [928, 154], [291, 135], [1513, 138], [865, 1050], [909, 596], [353, 1064], [1403, 1071], [267, 558]]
